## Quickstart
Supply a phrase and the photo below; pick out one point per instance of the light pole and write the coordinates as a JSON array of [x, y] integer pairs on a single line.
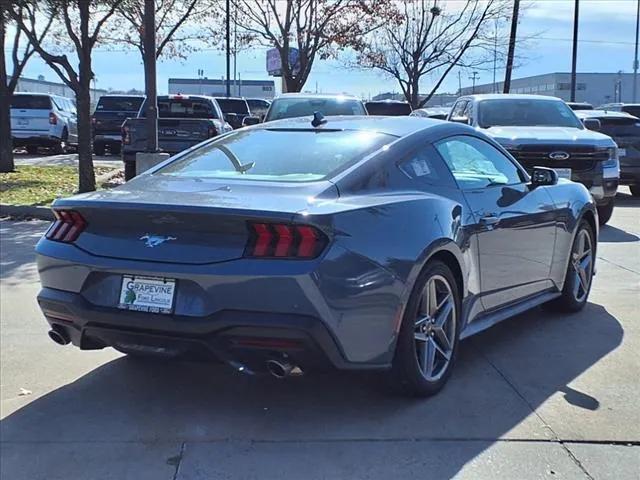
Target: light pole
[[474, 76], [635, 60], [228, 15], [574, 57], [512, 46]]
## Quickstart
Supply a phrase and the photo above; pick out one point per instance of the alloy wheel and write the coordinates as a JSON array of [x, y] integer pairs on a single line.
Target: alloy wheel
[[582, 265], [435, 328]]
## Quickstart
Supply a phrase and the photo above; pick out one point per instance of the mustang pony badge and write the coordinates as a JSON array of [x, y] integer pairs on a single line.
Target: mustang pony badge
[[155, 240]]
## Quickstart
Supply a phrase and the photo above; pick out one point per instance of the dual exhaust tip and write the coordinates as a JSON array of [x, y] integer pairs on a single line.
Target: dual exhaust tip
[[59, 335]]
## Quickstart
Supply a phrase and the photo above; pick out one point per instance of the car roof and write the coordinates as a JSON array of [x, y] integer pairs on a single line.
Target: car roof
[[603, 113], [316, 95], [219, 97], [396, 126], [510, 96], [387, 101], [120, 95]]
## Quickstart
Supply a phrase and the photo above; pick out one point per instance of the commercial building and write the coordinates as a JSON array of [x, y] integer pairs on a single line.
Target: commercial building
[[437, 100], [593, 88], [217, 87], [40, 85]]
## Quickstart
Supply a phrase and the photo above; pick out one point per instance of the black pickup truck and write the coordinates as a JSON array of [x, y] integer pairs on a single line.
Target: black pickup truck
[[106, 122], [234, 110], [183, 121]]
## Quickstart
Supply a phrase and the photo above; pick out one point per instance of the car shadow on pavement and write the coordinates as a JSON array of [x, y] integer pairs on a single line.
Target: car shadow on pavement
[[500, 377], [17, 244], [611, 234], [626, 200]]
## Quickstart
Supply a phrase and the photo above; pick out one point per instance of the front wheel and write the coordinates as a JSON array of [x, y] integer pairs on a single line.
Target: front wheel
[[428, 337], [577, 283], [605, 211]]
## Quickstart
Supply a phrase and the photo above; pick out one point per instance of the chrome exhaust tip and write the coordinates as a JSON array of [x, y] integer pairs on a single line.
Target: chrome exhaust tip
[[282, 369], [59, 335]]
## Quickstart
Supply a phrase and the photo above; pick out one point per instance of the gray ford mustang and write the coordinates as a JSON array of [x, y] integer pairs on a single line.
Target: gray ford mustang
[[348, 242]]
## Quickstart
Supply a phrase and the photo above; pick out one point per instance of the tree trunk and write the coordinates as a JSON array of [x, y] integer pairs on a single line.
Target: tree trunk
[[415, 99], [6, 146], [87, 178]]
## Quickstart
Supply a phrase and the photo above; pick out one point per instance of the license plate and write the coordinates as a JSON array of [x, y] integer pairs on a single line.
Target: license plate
[[22, 122], [563, 173], [147, 294], [622, 152]]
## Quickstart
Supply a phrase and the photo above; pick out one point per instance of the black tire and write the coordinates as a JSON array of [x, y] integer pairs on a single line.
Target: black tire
[[115, 149], [32, 149], [61, 147], [635, 190], [605, 211], [568, 300], [98, 149], [406, 372], [129, 170]]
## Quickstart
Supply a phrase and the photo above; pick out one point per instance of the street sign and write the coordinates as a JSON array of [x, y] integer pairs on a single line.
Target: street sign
[[274, 62]]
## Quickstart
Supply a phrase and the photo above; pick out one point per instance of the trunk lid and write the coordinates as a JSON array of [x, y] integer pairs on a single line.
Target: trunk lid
[[187, 221]]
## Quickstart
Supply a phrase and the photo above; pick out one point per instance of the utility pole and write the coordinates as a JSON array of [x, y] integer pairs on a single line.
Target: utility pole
[[459, 82], [228, 48], [150, 85], [495, 56], [473, 78], [635, 60], [574, 57], [512, 46]]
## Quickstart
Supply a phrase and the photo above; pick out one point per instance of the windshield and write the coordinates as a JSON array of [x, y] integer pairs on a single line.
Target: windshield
[[632, 110], [278, 155], [185, 108], [388, 108], [228, 105], [119, 104], [31, 102], [526, 113], [302, 107]]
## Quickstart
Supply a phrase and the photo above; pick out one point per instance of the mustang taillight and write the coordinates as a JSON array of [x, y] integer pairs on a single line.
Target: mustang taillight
[[279, 240], [68, 225]]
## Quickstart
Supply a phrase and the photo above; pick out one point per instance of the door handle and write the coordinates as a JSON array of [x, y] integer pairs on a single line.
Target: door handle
[[489, 220]]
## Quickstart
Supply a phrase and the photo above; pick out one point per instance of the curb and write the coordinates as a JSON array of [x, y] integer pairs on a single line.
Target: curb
[[26, 211]]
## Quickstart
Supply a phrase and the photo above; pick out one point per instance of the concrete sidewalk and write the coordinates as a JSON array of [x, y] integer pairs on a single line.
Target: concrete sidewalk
[[540, 396], [65, 159]]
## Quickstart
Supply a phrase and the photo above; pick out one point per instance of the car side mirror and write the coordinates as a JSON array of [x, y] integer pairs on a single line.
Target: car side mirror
[[592, 124], [543, 176], [250, 120], [464, 120]]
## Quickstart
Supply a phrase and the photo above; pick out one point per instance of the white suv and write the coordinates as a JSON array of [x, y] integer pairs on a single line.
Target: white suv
[[43, 120]]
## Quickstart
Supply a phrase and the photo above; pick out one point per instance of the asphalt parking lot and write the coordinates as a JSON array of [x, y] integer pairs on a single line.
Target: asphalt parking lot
[[540, 396]]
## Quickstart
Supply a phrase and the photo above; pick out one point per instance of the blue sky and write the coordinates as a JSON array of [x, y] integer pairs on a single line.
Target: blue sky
[[607, 33]]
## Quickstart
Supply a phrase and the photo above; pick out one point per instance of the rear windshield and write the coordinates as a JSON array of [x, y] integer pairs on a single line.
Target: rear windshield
[[256, 104], [632, 110], [302, 107], [232, 106], [390, 108], [31, 102], [185, 108], [119, 104], [526, 113], [278, 155]]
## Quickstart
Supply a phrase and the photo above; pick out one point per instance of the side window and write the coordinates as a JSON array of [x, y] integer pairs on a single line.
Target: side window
[[458, 109], [475, 163], [424, 166], [58, 104]]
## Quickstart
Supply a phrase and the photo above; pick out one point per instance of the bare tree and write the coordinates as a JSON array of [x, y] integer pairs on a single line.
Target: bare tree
[[316, 28], [20, 55], [80, 23], [178, 24], [430, 41]]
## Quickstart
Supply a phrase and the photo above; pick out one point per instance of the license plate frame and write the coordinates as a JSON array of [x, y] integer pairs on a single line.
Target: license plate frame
[[143, 293], [563, 173]]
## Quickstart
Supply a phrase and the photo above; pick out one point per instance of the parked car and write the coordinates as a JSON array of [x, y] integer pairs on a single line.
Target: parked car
[[258, 107], [392, 108], [543, 131], [234, 110], [183, 121], [43, 120], [357, 243], [290, 105], [579, 106], [625, 131], [439, 113], [630, 108], [108, 117]]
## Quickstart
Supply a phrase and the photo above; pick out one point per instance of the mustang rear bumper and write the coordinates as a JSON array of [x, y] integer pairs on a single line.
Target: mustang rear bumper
[[236, 337]]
